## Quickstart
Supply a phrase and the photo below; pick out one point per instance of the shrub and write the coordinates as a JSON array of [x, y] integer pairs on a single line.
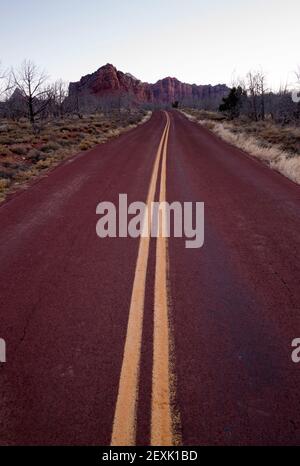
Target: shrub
[[34, 155], [19, 149], [50, 147], [65, 142], [84, 145], [44, 163], [6, 140], [4, 183], [4, 150], [5, 175]]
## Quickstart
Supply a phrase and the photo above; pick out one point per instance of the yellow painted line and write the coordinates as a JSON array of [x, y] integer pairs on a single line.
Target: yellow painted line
[[161, 411], [124, 425]]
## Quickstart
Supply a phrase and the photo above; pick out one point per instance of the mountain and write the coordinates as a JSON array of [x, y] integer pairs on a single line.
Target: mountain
[[109, 85]]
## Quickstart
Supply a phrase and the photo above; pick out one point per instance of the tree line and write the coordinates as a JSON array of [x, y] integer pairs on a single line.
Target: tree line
[[26, 91], [252, 98]]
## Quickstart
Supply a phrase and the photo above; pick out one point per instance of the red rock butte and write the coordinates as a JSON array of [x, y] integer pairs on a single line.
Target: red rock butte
[[109, 83]]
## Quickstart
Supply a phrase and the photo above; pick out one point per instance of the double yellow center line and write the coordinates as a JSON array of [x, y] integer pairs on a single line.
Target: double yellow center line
[[124, 426]]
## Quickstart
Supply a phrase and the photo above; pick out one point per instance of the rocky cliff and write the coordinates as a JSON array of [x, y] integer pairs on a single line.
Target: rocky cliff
[[109, 85]]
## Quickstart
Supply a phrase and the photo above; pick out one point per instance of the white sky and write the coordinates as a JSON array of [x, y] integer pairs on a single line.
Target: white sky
[[193, 40]]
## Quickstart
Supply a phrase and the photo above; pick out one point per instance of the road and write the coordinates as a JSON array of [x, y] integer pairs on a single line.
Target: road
[[142, 340]]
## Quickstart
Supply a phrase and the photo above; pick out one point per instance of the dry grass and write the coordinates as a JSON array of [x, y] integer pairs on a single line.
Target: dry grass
[[4, 183], [198, 114], [278, 147], [24, 153], [288, 166]]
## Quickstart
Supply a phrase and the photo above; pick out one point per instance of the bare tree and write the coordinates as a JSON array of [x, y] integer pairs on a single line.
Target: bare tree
[[5, 81], [256, 88], [60, 92], [296, 96], [261, 88], [31, 82], [252, 86]]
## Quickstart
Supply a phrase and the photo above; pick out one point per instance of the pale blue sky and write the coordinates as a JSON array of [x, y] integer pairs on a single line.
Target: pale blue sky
[[193, 40]]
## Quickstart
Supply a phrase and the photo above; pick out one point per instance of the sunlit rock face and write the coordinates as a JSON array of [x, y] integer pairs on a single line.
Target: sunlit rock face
[[107, 83]]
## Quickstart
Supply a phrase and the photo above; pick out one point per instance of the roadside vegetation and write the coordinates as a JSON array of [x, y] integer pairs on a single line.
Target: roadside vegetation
[[40, 126], [261, 123], [25, 154], [277, 146]]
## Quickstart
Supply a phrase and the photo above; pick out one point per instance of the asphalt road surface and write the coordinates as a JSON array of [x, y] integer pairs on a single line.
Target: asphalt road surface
[[141, 340]]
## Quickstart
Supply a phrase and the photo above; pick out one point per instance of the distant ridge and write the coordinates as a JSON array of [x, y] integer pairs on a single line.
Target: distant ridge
[[109, 83]]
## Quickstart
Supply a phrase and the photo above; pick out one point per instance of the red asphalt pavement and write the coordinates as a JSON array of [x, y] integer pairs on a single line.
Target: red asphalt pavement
[[235, 303]]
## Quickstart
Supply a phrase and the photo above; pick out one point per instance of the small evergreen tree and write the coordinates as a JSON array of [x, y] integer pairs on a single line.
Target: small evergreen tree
[[233, 102]]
